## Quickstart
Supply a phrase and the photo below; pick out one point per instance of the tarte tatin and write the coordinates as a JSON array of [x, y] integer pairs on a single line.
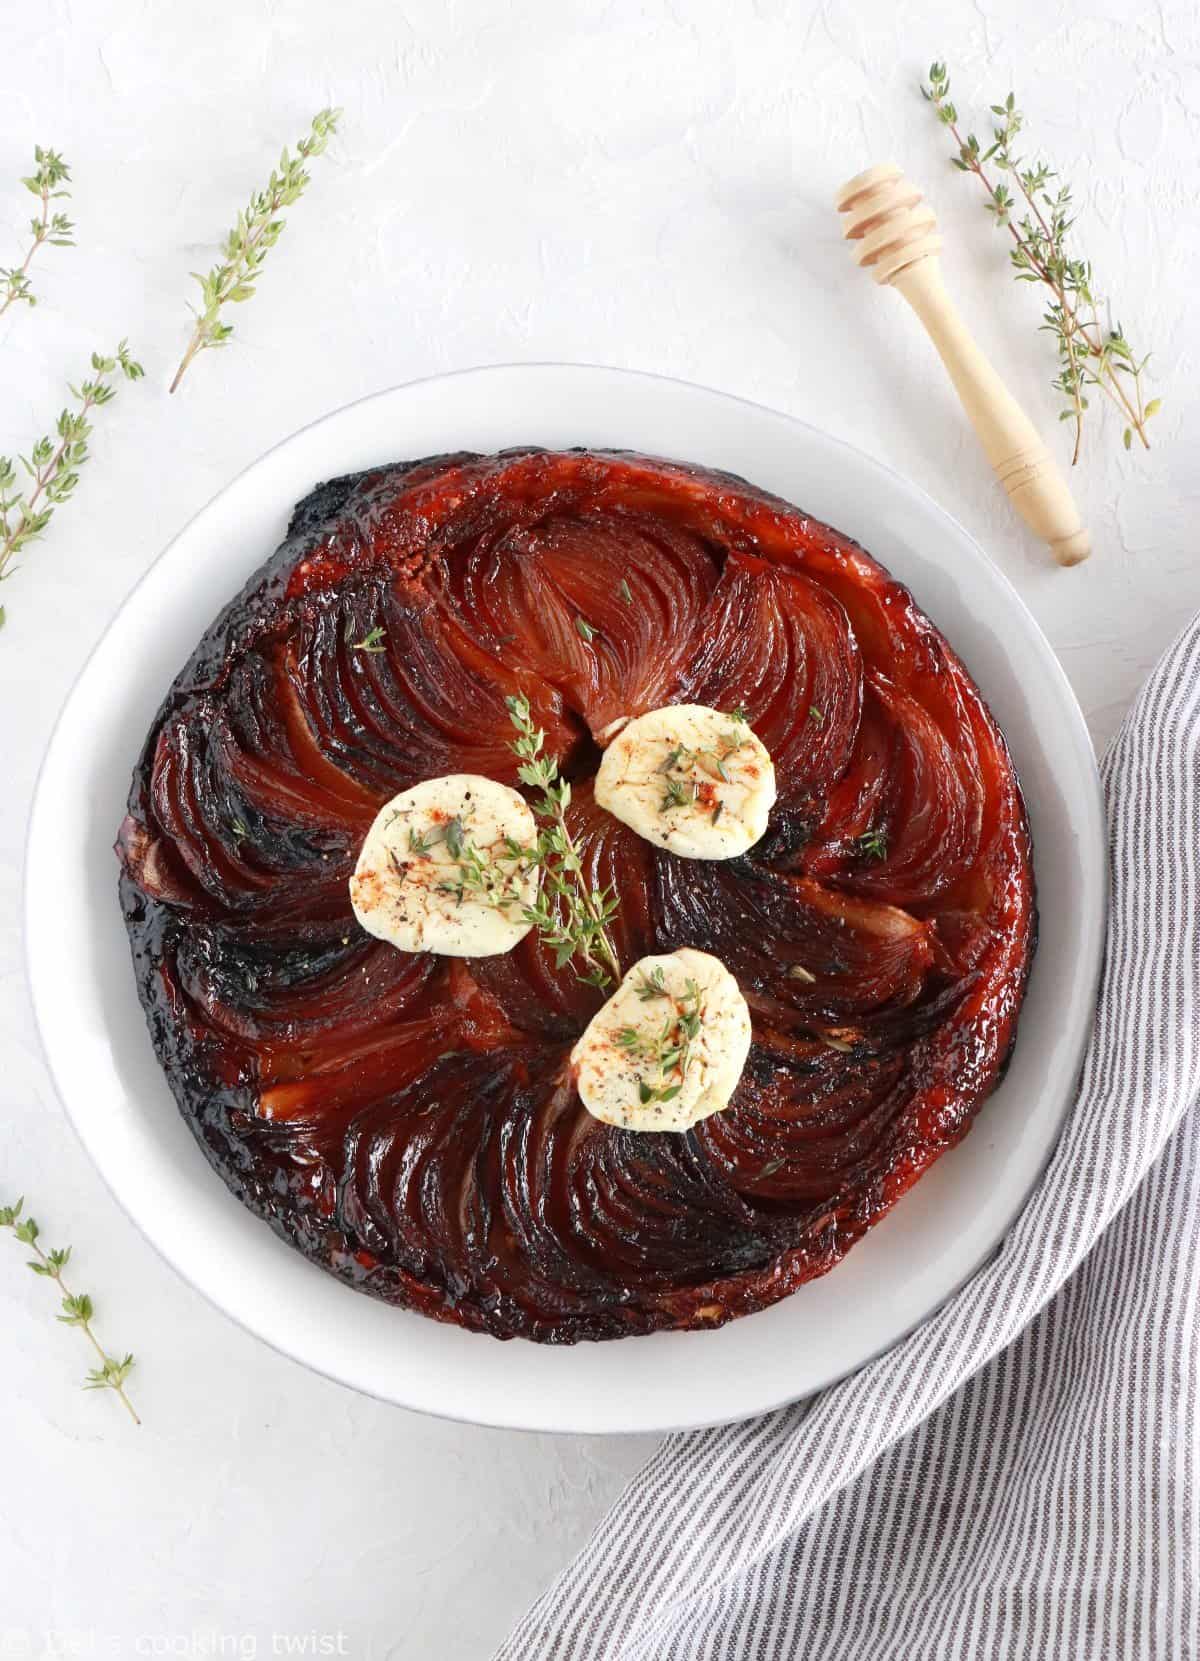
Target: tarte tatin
[[410, 1121]]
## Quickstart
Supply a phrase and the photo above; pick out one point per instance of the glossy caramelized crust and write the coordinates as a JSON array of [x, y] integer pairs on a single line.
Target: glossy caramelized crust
[[408, 1121]]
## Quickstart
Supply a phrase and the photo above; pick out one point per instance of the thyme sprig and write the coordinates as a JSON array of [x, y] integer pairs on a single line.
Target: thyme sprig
[[77, 1307], [258, 228], [53, 464], [49, 174], [667, 1050], [571, 917], [1090, 353]]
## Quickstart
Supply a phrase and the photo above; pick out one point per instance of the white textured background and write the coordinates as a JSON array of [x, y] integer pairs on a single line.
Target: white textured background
[[640, 184]]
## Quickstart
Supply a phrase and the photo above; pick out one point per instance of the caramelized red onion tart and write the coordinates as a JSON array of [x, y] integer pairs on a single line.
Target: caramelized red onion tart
[[409, 1121]]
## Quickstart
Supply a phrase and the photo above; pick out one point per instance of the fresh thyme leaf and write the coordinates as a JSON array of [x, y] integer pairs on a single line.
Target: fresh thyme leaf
[[652, 984], [817, 715], [680, 793], [1090, 353], [77, 1311], [455, 838], [624, 590], [420, 842], [49, 173], [52, 465], [77, 1307], [258, 228], [110, 1376], [873, 843], [585, 630], [691, 1020], [372, 641]]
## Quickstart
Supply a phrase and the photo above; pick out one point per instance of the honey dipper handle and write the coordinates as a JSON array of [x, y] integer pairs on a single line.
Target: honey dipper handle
[[1022, 463]]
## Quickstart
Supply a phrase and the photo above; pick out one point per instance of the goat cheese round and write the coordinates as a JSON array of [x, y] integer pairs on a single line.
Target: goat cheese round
[[690, 779], [669, 1046], [412, 885]]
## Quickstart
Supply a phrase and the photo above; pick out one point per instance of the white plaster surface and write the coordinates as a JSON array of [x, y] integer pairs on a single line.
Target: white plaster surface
[[638, 184]]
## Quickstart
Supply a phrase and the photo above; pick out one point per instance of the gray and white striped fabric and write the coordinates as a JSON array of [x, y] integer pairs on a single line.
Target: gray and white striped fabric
[[1021, 1476]]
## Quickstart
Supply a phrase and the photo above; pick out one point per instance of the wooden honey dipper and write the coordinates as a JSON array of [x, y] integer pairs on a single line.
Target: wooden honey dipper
[[897, 236]]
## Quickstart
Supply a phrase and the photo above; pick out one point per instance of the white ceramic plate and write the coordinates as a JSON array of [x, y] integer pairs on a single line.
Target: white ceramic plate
[[100, 1053]]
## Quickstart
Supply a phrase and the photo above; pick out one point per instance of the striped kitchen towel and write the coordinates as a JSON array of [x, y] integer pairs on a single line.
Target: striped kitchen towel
[[1020, 1477]]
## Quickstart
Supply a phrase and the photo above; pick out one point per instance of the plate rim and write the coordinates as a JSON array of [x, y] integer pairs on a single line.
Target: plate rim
[[1081, 743]]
